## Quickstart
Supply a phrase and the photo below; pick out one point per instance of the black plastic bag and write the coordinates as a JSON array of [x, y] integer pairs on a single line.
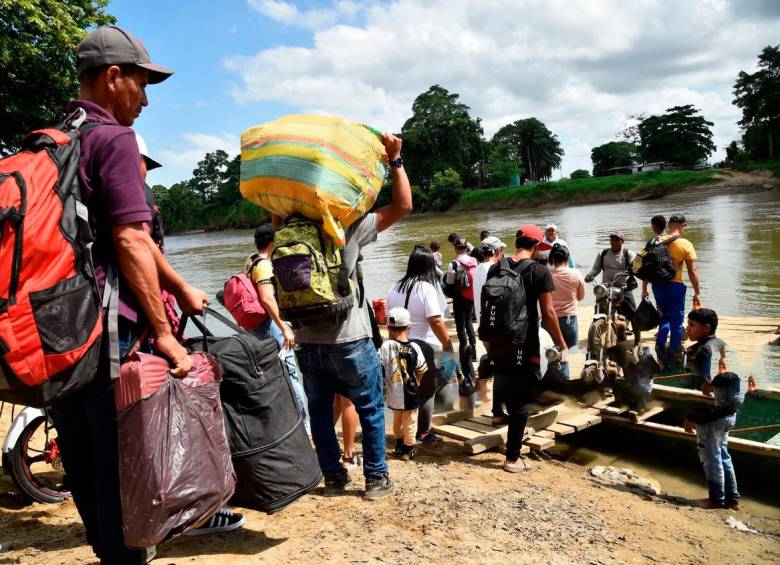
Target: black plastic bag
[[646, 317]]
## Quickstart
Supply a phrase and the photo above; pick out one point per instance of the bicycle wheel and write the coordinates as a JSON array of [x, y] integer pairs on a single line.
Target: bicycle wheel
[[35, 466]]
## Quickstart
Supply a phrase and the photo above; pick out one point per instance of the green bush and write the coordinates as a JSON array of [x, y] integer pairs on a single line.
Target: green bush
[[579, 174], [446, 189]]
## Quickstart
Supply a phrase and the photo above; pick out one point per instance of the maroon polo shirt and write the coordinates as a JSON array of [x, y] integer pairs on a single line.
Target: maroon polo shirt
[[113, 191]]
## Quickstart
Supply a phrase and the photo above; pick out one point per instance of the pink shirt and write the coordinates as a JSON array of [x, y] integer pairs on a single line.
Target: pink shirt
[[568, 283]]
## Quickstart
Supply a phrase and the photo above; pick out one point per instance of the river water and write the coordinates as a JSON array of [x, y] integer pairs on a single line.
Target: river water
[[737, 239]]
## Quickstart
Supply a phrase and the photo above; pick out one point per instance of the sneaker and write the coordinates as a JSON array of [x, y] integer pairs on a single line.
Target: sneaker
[[429, 438], [407, 454], [223, 521], [732, 505], [336, 485], [377, 487], [398, 450]]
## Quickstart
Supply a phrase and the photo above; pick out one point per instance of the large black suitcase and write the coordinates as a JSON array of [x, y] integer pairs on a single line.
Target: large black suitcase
[[273, 458]]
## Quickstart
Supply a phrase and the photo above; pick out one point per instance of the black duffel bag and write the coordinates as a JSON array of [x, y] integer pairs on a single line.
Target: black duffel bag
[[273, 458], [646, 317]]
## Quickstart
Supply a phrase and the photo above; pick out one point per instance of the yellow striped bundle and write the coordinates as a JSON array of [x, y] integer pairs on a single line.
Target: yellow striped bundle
[[325, 168]]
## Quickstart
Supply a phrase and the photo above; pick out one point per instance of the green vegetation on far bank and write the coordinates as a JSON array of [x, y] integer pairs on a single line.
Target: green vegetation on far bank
[[630, 185], [759, 166]]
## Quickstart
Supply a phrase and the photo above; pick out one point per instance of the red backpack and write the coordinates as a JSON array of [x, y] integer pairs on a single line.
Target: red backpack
[[242, 301], [50, 309], [464, 277]]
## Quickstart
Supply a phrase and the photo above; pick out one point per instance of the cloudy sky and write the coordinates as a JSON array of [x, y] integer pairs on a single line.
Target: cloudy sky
[[581, 66]]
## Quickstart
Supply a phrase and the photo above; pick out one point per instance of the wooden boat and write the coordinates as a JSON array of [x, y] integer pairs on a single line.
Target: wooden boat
[[757, 429]]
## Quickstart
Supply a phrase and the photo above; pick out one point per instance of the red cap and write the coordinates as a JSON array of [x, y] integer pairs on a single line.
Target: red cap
[[531, 231]]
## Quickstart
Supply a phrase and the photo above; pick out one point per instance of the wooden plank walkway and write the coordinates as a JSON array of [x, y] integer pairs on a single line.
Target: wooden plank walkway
[[477, 434]]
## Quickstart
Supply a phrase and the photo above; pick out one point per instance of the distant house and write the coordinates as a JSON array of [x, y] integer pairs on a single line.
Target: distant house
[[641, 168]]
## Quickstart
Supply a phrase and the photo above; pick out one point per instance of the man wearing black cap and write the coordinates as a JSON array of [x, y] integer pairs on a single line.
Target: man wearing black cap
[[114, 69], [670, 296]]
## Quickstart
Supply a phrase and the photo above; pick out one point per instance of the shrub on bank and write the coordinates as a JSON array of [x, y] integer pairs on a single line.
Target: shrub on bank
[[643, 182]]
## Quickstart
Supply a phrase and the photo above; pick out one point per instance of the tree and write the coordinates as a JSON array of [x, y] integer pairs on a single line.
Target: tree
[[758, 96], [440, 134], [229, 191], [611, 155], [579, 174], [538, 147], [210, 176], [446, 188], [38, 41], [504, 163], [180, 206], [680, 136]]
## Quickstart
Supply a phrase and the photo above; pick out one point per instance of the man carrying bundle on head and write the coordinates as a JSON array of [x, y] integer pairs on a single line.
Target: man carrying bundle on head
[[336, 354]]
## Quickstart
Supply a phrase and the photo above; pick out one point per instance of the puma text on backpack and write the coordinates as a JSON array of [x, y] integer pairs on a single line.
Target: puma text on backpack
[[503, 315], [311, 285], [464, 277], [50, 309], [656, 264], [241, 299]]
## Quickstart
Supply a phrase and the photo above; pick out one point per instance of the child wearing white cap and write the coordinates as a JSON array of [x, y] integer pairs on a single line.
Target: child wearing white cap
[[404, 366]]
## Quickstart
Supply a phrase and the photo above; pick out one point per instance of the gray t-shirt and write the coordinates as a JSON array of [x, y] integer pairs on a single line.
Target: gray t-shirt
[[357, 324], [611, 264]]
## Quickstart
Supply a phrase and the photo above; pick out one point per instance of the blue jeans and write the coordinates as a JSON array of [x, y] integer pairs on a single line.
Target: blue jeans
[[352, 370], [712, 444], [571, 336], [270, 329], [670, 300]]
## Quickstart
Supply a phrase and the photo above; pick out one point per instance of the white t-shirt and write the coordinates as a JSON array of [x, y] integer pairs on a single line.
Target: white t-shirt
[[480, 276], [426, 300]]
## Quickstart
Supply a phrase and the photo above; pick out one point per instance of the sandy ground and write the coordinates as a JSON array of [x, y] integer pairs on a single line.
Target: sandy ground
[[446, 507]]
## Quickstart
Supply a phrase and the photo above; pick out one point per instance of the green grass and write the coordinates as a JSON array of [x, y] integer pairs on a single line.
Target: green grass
[[643, 182], [759, 166]]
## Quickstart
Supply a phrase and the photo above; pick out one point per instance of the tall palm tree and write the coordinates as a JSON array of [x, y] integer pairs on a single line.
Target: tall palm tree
[[539, 147]]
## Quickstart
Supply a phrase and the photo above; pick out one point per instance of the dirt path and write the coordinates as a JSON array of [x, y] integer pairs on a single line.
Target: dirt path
[[446, 507]]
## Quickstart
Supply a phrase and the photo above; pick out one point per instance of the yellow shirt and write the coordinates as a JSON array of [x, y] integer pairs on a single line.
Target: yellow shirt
[[680, 250], [262, 273]]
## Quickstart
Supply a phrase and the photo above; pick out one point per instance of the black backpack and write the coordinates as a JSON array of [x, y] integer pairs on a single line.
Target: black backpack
[[657, 264], [503, 302]]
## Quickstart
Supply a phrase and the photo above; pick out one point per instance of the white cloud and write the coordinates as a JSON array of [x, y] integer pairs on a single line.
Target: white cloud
[[180, 158], [581, 67], [315, 18]]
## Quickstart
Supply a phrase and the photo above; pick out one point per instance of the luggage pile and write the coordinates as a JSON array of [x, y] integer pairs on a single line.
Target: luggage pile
[[325, 168], [274, 460]]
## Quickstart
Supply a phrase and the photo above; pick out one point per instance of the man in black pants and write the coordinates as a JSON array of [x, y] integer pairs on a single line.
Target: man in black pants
[[516, 379]]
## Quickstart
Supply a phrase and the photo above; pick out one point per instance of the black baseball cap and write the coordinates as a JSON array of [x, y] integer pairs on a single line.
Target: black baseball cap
[[677, 219], [460, 242], [112, 45]]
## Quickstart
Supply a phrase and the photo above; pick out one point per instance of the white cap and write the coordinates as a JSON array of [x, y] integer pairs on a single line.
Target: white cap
[[144, 151], [550, 226], [492, 243], [399, 317]]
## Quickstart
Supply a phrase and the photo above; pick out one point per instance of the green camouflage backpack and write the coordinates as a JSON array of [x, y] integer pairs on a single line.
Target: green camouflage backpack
[[311, 284]]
